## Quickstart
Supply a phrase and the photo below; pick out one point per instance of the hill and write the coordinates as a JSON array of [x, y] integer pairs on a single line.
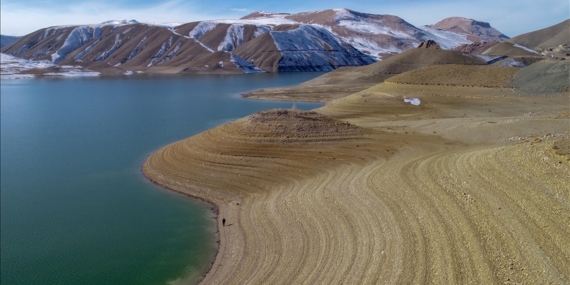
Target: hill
[[458, 75], [271, 42], [546, 38], [544, 76], [344, 81], [510, 49], [384, 35], [475, 31]]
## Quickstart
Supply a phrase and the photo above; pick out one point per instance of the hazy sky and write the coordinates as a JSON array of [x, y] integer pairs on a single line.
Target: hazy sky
[[512, 17]]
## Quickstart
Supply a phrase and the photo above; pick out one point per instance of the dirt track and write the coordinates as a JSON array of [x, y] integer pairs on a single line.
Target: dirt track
[[466, 188]]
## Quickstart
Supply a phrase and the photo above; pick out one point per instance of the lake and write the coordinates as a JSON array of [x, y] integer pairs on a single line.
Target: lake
[[75, 208]]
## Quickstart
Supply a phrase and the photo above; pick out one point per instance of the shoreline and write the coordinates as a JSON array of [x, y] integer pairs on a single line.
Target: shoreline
[[214, 208], [444, 126]]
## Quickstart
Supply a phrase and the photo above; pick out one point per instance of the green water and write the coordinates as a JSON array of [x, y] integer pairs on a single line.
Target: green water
[[75, 208]]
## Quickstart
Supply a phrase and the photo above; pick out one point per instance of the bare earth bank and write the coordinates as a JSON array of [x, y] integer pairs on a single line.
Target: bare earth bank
[[469, 187]]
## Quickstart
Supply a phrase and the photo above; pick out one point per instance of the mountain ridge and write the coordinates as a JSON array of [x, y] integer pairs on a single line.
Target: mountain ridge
[[258, 42]]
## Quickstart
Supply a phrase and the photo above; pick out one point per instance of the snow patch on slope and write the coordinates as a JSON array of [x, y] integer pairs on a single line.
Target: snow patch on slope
[[260, 31], [445, 39], [369, 46], [80, 56], [12, 67], [202, 28], [310, 48], [259, 21], [413, 101], [512, 63], [244, 65], [234, 38], [370, 27], [171, 54], [135, 51], [115, 46], [165, 46], [526, 49], [77, 38]]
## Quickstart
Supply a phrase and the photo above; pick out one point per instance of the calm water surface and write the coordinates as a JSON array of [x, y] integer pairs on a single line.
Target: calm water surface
[[75, 208]]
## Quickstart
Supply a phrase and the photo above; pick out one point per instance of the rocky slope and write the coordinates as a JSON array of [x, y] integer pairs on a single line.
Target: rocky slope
[[272, 42]]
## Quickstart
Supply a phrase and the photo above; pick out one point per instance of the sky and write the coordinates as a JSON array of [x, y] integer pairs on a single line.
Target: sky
[[511, 17]]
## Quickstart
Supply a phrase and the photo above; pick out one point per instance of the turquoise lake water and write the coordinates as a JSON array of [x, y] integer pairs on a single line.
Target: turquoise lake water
[[75, 208]]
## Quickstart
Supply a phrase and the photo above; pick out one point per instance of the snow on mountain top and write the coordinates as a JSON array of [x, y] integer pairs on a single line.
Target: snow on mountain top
[[257, 21], [451, 22], [119, 22], [263, 14], [171, 24], [343, 13], [106, 23]]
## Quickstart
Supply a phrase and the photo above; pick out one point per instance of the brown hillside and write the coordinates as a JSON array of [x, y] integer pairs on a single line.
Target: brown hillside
[[544, 76], [507, 48], [262, 50], [477, 48], [545, 38], [348, 80], [406, 61], [476, 31], [185, 29], [213, 38], [458, 75]]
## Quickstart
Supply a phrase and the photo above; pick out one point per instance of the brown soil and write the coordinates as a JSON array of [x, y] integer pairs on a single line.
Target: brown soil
[[562, 148], [476, 48], [466, 188], [459, 75]]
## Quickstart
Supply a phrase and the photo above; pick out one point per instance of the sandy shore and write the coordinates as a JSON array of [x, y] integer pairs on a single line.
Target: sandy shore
[[470, 187]]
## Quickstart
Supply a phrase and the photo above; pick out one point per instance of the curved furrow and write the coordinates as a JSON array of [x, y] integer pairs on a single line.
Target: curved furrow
[[466, 217]]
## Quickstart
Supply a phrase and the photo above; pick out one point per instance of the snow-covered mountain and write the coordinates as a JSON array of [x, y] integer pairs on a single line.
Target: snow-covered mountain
[[311, 41], [472, 30], [381, 35]]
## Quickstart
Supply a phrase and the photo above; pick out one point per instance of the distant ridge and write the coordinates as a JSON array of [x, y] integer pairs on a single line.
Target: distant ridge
[[5, 40], [259, 42], [546, 38], [475, 31]]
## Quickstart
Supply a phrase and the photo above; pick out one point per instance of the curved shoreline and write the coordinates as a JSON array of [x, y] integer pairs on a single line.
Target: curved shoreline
[[283, 220], [214, 207]]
